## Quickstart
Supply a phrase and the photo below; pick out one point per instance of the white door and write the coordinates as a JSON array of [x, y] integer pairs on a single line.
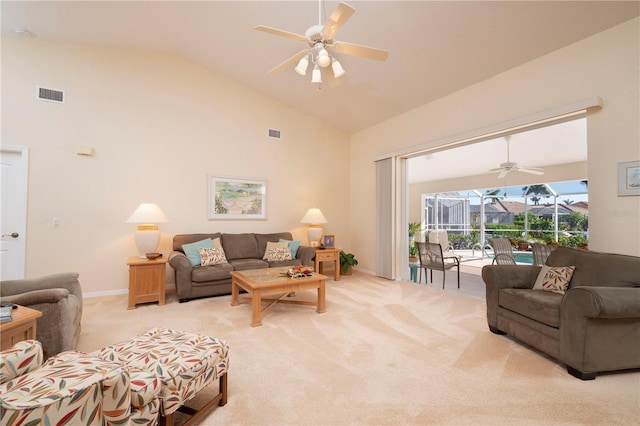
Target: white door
[[13, 211]]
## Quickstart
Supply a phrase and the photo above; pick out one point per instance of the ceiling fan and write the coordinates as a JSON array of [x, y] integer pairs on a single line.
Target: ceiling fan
[[321, 46], [506, 168]]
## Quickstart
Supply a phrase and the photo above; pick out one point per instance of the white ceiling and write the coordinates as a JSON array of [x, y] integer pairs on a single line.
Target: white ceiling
[[543, 147], [436, 47]]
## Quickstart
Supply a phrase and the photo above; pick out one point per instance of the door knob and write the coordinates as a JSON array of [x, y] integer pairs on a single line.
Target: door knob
[[12, 235]]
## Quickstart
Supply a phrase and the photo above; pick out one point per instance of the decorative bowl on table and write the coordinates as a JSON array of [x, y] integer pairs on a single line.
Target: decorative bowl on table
[[300, 271], [153, 256]]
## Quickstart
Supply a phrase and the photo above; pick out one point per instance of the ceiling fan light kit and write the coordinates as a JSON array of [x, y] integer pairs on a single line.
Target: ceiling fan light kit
[[321, 45]]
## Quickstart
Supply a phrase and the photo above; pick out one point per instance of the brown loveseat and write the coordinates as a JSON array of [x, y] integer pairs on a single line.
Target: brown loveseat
[[59, 298], [242, 251], [594, 327]]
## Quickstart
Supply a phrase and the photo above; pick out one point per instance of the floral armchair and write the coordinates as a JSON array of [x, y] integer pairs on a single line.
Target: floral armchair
[[73, 388]]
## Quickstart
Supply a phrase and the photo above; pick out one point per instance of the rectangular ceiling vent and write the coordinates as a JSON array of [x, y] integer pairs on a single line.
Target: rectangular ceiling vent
[[50, 95], [273, 133]]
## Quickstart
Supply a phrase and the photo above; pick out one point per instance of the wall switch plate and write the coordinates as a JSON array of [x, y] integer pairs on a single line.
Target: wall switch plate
[[55, 222]]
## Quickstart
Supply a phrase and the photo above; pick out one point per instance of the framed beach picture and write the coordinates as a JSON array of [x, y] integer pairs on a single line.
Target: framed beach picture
[[237, 198], [629, 178]]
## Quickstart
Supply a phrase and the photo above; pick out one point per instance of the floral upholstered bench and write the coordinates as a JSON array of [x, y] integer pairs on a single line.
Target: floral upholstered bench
[[184, 362]]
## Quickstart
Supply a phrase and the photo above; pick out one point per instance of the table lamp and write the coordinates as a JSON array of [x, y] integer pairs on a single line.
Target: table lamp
[[314, 218], [147, 215]]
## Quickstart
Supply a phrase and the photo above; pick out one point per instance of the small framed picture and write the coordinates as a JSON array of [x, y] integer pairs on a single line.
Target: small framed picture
[[629, 178], [329, 241]]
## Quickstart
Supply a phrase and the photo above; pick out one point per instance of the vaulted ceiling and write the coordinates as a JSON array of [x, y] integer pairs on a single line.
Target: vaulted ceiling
[[436, 47]]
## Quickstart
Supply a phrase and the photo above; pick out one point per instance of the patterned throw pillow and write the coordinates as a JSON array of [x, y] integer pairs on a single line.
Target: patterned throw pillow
[[554, 278], [272, 245], [278, 253], [212, 256]]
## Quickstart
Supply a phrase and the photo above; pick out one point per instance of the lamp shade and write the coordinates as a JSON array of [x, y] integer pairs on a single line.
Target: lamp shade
[[314, 215], [147, 213]]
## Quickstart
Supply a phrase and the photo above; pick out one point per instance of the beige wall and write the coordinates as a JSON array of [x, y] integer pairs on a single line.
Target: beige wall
[[604, 65], [159, 124]]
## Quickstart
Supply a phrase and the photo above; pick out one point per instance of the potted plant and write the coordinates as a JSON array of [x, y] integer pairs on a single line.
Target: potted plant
[[347, 262], [414, 228], [413, 253]]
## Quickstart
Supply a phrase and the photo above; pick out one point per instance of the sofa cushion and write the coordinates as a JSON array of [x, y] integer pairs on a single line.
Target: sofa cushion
[[279, 263], [271, 246], [212, 256], [541, 306], [203, 274], [264, 238], [243, 264], [192, 250], [180, 239], [598, 269], [293, 245], [241, 246], [276, 254], [554, 278]]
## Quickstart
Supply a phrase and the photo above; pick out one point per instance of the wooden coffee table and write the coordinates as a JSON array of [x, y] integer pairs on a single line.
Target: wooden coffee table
[[269, 281]]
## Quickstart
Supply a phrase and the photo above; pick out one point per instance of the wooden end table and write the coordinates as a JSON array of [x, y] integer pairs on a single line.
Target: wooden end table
[[328, 255], [146, 281], [21, 327], [265, 282]]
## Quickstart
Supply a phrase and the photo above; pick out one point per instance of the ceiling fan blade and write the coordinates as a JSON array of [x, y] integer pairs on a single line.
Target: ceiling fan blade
[[338, 18], [533, 171], [289, 62], [503, 173], [281, 33], [358, 50]]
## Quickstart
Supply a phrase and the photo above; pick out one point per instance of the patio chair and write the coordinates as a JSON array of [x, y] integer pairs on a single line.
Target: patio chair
[[541, 252], [502, 251], [440, 236], [430, 255]]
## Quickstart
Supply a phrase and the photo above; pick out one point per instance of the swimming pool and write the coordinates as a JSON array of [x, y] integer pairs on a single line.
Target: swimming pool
[[520, 257]]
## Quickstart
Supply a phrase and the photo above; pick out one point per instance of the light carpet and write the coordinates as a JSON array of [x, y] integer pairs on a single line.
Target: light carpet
[[385, 352]]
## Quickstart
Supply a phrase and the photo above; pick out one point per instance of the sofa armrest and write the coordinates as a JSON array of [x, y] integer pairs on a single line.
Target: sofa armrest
[[599, 328], [497, 277], [67, 280], [22, 358], [306, 255], [38, 297], [182, 267]]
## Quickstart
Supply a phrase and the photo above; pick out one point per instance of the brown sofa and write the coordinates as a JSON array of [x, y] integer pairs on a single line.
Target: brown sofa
[[59, 298], [243, 251], [594, 327]]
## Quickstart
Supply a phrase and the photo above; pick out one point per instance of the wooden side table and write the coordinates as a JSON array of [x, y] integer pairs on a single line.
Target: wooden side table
[[21, 327], [146, 281], [328, 255]]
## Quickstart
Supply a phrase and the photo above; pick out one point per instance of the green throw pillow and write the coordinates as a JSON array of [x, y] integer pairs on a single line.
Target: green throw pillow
[[293, 245], [192, 250]]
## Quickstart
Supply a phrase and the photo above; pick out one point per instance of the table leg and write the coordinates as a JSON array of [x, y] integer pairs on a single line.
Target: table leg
[[234, 292], [321, 298], [256, 299]]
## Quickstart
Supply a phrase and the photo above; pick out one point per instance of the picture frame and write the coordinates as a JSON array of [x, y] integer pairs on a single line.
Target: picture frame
[[629, 178], [233, 198], [329, 241]]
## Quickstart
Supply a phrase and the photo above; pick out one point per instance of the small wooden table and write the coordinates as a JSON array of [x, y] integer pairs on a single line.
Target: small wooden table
[[328, 255], [21, 327], [269, 281], [146, 281]]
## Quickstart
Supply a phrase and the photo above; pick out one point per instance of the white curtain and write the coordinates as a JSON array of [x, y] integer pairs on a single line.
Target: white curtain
[[384, 218]]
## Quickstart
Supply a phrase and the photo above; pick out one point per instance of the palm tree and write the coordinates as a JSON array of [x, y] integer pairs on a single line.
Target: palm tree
[[536, 190], [492, 195]]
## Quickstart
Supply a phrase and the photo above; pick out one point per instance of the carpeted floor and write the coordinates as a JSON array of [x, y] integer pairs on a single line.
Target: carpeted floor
[[384, 353]]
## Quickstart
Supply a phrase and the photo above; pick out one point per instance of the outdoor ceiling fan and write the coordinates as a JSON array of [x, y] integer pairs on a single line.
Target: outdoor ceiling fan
[[321, 46], [506, 168]]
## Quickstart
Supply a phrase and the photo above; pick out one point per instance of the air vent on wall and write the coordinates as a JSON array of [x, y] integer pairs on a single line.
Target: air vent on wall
[[50, 95], [273, 133]]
